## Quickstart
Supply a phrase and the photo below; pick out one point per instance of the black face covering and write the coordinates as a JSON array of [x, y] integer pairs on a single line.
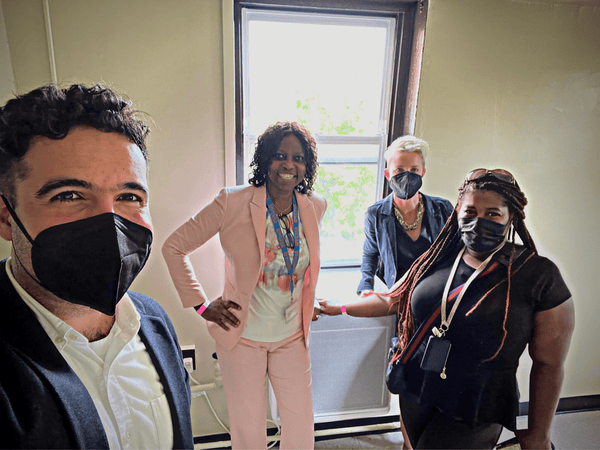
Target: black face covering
[[406, 184], [89, 262], [481, 235]]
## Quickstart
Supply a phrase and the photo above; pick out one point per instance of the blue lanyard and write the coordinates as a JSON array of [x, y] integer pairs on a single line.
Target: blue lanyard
[[289, 265]]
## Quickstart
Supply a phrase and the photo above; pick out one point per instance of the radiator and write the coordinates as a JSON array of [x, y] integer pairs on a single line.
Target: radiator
[[348, 356]]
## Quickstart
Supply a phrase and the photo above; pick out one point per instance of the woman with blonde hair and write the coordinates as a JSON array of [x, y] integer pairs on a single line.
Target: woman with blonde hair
[[400, 227]]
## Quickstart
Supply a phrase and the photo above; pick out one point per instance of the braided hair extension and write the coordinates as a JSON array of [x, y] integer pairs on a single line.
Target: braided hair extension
[[449, 241]]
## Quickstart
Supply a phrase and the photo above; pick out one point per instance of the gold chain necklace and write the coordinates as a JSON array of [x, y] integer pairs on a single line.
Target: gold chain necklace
[[281, 212], [415, 224]]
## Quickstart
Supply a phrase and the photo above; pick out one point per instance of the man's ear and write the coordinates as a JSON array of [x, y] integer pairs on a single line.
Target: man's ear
[[5, 222]]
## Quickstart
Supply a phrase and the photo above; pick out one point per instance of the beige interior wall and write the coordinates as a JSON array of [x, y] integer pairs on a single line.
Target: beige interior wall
[[7, 85], [516, 84], [504, 84]]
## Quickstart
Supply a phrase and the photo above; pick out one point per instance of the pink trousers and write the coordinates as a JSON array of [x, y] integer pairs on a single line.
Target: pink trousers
[[245, 369]]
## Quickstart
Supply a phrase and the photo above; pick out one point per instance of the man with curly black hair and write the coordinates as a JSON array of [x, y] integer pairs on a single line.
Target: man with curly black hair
[[86, 364]]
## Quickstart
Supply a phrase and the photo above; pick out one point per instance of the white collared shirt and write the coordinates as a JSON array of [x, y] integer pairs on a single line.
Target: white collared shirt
[[117, 372]]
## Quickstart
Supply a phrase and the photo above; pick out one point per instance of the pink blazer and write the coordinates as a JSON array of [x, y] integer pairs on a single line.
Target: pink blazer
[[238, 214]]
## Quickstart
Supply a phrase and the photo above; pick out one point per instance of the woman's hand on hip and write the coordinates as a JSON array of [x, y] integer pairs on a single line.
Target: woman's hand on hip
[[219, 312]]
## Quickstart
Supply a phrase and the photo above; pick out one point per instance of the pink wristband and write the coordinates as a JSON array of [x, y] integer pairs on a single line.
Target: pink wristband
[[343, 309], [203, 307]]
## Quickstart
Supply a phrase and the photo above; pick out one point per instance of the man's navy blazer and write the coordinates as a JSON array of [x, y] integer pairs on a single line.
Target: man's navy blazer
[[44, 404]]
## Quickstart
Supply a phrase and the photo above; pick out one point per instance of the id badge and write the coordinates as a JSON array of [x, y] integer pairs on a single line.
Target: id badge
[[291, 312], [436, 355]]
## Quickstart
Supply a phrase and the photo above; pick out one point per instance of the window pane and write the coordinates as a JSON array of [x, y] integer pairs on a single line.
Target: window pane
[[325, 71], [357, 153], [349, 190], [333, 74]]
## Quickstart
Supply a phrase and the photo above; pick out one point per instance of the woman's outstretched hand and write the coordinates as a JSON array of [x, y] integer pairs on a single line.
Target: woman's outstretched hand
[[328, 308], [316, 313], [219, 312]]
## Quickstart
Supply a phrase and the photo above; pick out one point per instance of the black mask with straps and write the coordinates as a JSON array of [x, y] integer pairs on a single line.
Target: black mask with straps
[[406, 184], [481, 235], [90, 262]]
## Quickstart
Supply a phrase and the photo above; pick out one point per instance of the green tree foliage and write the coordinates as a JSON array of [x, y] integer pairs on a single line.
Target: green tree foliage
[[341, 121], [347, 187]]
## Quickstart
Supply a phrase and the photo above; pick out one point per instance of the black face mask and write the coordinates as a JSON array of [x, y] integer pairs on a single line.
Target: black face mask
[[89, 262], [481, 235], [406, 184]]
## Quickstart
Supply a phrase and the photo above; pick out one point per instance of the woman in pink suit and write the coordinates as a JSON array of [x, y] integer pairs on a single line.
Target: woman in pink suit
[[269, 232]]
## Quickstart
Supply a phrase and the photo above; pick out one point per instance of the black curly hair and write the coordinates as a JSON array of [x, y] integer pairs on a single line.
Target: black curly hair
[[51, 112], [268, 143]]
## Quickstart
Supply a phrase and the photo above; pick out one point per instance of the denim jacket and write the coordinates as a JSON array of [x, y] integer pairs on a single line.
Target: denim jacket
[[379, 251]]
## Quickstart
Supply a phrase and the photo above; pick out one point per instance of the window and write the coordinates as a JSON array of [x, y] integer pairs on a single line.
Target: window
[[338, 72]]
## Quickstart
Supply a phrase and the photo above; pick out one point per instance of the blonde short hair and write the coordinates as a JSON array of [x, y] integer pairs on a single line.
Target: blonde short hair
[[408, 144]]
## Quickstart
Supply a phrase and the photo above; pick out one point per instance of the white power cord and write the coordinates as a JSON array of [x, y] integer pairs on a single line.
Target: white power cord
[[198, 387], [276, 437], [203, 394], [199, 390]]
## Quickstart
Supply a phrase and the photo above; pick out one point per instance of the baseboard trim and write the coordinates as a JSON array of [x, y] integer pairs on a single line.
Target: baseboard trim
[[372, 425], [568, 405]]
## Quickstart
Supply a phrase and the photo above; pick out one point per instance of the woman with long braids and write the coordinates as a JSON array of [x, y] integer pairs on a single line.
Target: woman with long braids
[[469, 306]]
